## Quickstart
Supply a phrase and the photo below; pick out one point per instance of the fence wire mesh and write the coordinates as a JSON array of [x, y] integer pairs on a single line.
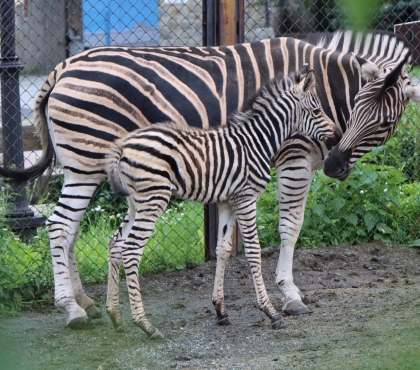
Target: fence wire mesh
[[379, 201]]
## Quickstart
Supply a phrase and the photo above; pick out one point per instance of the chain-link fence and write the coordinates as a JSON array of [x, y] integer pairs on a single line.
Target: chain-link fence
[[380, 200]]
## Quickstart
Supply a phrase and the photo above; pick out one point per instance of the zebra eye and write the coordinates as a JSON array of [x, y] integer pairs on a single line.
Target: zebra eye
[[317, 111], [387, 124]]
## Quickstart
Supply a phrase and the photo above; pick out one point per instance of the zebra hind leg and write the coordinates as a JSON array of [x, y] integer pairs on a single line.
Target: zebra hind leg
[[224, 246], [114, 262], [148, 210], [63, 226]]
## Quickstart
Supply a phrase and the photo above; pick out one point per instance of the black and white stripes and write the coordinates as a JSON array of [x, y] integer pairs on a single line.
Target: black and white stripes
[[229, 164]]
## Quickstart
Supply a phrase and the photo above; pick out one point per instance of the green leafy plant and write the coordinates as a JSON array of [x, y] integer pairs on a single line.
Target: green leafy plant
[[25, 268]]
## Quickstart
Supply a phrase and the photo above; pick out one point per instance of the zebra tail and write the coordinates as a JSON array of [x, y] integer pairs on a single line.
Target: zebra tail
[[20, 175], [113, 170]]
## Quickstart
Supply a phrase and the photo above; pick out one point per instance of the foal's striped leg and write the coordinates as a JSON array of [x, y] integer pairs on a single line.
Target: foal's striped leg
[[114, 262], [148, 208], [224, 246], [245, 211]]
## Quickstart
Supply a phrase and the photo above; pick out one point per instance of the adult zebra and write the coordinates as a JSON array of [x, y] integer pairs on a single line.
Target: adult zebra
[[99, 95], [227, 164]]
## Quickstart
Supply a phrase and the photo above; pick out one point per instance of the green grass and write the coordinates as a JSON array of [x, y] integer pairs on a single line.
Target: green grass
[[177, 239], [415, 71]]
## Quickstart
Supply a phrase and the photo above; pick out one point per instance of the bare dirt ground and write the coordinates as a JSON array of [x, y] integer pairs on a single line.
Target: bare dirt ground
[[366, 315]]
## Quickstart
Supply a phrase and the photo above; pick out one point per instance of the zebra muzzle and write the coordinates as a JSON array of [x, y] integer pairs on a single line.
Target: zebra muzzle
[[337, 164]]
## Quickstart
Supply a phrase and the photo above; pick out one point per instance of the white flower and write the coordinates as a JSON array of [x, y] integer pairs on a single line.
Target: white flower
[[385, 190], [362, 191]]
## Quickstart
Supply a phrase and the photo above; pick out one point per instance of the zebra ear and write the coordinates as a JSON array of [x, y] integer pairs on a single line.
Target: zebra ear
[[370, 71], [309, 80], [392, 77]]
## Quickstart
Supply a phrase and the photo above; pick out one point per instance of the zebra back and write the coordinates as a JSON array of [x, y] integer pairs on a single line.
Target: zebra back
[[214, 164]]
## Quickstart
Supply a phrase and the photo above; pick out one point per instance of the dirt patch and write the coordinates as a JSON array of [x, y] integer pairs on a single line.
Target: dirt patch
[[366, 315]]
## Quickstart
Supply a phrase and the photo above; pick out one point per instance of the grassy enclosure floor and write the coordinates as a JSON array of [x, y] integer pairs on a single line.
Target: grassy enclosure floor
[[366, 315]]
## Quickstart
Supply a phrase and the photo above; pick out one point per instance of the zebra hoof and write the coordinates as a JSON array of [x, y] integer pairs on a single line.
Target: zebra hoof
[[155, 334], [93, 312], [117, 322], [121, 329], [80, 323], [296, 308], [223, 320], [278, 323]]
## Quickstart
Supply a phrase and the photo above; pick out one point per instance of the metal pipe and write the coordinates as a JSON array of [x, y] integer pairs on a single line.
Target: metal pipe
[[20, 216]]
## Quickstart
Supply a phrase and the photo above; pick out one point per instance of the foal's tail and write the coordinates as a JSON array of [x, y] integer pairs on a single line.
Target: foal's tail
[[113, 169]]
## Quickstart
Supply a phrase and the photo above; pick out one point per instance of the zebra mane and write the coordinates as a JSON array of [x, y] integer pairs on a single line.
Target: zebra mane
[[383, 48], [277, 86]]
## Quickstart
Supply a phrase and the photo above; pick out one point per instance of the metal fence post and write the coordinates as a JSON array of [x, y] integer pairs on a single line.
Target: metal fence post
[[21, 217]]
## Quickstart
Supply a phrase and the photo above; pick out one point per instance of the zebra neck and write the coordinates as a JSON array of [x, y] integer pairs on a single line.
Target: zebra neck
[[260, 134]]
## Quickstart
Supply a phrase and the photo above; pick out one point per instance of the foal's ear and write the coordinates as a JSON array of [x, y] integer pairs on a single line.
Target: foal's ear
[[308, 81]]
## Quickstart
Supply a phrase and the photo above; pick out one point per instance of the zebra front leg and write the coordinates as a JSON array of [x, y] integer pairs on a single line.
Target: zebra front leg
[[295, 169], [114, 262], [147, 212], [245, 212], [223, 249], [63, 226]]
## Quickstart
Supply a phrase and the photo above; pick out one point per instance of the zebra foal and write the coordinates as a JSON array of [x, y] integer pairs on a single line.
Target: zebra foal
[[228, 164]]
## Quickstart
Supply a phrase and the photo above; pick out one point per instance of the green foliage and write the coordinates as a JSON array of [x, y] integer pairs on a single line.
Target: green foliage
[[25, 268], [26, 275], [402, 151], [268, 214], [359, 210], [104, 204], [360, 12], [177, 239]]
